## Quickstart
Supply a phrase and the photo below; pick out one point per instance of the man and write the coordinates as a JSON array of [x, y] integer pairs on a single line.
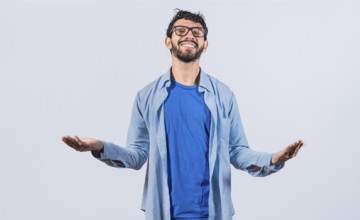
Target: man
[[186, 124]]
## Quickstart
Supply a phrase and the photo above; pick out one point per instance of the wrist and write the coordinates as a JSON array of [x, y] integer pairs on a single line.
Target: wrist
[[97, 146], [274, 159], [101, 147]]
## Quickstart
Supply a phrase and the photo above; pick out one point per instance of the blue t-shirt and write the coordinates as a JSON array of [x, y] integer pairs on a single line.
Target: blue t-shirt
[[187, 123]]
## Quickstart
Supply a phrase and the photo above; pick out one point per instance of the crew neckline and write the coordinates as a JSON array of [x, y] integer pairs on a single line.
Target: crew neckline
[[184, 86]]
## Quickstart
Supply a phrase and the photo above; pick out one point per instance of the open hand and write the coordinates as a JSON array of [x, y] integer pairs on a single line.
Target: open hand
[[83, 144], [287, 153]]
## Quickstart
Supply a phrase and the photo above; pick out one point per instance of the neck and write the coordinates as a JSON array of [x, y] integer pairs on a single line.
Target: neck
[[186, 73]]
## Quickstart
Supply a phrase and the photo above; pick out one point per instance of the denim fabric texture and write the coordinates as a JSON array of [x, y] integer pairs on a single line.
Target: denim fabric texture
[[146, 142]]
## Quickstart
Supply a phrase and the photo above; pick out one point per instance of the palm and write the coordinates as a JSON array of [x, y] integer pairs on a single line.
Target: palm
[[287, 153], [83, 144]]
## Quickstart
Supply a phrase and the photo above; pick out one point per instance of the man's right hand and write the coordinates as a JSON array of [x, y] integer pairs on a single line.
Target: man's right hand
[[83, 144]]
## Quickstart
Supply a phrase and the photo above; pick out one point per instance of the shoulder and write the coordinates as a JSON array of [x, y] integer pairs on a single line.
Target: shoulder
[[153, 87], [224, 97], [219, 85], [219, 88]]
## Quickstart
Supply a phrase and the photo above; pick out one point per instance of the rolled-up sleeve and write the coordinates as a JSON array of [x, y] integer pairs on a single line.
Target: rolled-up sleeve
[[241, 155], [135, 154]]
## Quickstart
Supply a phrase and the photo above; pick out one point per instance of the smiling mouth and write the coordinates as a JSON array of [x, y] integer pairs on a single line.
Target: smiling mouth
[[188, 44]]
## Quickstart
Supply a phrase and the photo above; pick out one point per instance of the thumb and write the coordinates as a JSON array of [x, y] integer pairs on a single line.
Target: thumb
[[78, 140]]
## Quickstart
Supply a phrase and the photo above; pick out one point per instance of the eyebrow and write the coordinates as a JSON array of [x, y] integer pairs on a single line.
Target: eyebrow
[[188, 26]]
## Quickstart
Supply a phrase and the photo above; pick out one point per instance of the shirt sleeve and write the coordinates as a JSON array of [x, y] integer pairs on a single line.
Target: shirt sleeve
[[135, 154], [241, 156]]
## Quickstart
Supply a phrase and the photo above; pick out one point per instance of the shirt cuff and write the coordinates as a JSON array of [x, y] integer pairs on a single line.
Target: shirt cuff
[[106, 151], [109, 155], [268, 169], [275, 167], [99, 154]]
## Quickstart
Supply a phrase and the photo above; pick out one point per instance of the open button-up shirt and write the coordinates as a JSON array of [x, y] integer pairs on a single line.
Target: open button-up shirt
[[146, 142]]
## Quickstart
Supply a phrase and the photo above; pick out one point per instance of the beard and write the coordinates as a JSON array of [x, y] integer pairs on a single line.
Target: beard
[[186, 56]]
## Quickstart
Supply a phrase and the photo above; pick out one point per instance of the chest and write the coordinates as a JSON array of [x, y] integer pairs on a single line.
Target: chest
[[186, 105]]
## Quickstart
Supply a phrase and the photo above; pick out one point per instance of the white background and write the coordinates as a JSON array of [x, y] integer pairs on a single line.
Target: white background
[[74, 67]]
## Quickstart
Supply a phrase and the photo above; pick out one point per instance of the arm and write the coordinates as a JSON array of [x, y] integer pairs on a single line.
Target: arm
[[133, 156], [244, 158]]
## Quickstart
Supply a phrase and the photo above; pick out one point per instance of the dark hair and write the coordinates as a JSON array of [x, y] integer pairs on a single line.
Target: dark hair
[[194, 17]]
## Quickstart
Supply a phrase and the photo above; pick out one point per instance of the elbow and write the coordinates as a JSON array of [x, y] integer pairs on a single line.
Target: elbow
[[138, 163], [137, 166]]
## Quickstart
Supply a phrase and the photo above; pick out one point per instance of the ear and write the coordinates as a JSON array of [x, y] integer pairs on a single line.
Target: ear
[[168, 43], [206, 44]]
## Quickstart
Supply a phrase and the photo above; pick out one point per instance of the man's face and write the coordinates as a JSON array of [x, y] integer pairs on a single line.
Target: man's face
[[187, 48]]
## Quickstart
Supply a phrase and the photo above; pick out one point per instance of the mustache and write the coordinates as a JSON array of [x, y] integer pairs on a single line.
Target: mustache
[[180, 42]]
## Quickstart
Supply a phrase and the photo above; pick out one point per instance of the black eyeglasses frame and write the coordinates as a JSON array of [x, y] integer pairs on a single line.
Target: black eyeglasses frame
[[189, 29]]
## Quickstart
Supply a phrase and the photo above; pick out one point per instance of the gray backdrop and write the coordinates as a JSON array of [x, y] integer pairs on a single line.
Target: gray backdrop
[[74, 67]]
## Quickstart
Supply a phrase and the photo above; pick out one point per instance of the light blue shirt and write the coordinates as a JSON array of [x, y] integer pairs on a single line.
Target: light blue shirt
[[146, 141]]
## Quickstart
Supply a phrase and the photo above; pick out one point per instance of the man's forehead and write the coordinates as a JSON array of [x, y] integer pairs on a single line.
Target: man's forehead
[[187, 23]]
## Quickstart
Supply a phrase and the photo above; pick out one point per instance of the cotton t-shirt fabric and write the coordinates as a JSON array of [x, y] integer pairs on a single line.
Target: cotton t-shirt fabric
[[187, 126]]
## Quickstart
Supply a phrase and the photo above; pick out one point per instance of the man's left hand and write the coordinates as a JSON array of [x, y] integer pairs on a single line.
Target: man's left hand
[[287, 153]]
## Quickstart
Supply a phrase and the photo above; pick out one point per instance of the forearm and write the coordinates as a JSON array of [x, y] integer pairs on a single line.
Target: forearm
[[117, 156], [255, 163]]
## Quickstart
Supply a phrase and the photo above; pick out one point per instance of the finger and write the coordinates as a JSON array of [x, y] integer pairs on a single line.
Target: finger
[[65, 138], [290, 148], [293, 152], [302, 142], [298, 148], [68, 140], [77, 139], [300, 145], [82, 145], [73, 145], [296, 151], [71, 142]]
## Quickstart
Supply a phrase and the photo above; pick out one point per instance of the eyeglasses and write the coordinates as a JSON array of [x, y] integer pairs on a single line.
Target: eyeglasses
[[183, 31]]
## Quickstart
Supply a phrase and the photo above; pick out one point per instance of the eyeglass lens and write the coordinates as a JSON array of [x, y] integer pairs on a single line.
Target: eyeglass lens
[[182, 31]]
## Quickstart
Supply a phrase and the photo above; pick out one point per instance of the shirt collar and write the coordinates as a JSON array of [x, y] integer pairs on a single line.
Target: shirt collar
[[205, 83]]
